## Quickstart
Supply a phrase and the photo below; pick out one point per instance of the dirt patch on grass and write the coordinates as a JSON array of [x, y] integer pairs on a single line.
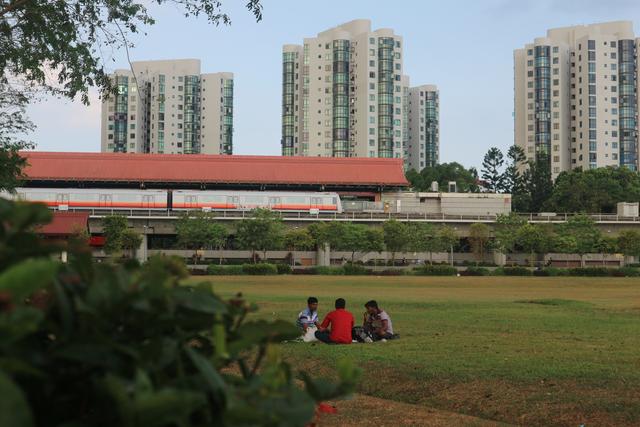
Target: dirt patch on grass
[[367, 411]]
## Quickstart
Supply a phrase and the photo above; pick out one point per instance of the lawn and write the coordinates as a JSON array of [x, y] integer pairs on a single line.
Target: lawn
[[535, 351]]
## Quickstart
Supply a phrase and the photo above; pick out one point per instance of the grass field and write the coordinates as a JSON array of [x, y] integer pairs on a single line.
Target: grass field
[[530, 351]]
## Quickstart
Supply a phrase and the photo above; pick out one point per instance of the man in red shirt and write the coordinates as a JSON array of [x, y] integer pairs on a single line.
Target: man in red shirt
[[341, 322]]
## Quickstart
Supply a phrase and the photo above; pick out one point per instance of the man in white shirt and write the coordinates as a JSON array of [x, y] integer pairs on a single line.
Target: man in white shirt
[[377, 322], [309, 316]]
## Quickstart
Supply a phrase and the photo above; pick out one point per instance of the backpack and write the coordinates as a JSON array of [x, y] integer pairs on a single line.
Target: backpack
[[359, 334]]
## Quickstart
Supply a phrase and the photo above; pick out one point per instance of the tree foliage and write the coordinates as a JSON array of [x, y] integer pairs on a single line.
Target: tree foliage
[[479, 235], [89, 344], [629, 242], [263, 231], [492, 170], [197, 230], [298, 239], [594, 190], [396, 237], [505, 230], [114, 228], [466, 179]]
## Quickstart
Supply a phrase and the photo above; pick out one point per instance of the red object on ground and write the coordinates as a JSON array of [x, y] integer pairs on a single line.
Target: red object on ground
[[64, 224], [211, 169], [324, 408], [341, 325]]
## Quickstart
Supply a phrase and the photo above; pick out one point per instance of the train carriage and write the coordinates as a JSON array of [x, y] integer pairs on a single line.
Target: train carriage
[[247, 200], [79, 198]]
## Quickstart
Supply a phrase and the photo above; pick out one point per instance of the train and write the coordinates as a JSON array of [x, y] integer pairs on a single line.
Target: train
[[178, 200]]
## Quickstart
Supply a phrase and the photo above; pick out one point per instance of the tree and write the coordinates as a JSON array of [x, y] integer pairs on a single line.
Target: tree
[[298, 239], [491, 170], [396, 237], [14, 126], [479, 237], [373, 240], [514, 180], [131, 241], [263, 231], [505, 230], [629, 242], [66, 38], [347, 236], [57, 47], [113, 229], [197, 231], [447, 239], [531, 239], [104, 345], [594, 190], [587, 236], [538, 183], [466, 179]]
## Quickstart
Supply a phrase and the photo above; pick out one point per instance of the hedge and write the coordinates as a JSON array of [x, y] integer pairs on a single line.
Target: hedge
[[436, 270], [355, 270], [224, 270], [261, 269], [327, 271], [476, 271], [284, 269], [512, 271]]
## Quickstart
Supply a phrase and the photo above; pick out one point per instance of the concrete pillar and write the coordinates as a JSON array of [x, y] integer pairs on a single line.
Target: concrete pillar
[[141, 252], [499, 259], [323, 255]]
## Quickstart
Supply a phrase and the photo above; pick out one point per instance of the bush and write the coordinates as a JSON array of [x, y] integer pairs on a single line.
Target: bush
[[592, 271], [551, 272], [87, 344], [389, 273], [355, 270], [328, 271], [627, 272], [224, 270], [284, 269], [476, 271], [513, 271], [303, 271], [436, 270], [262, 269]]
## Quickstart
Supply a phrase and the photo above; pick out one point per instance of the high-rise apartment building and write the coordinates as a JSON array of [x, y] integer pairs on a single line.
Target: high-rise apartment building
[[576, 97], [344, 93], [169, 107], [423, 145]]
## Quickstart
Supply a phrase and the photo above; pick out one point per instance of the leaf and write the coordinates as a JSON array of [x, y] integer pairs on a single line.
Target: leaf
[[261, 331], [14, 409], [204, 302], [213, 379], [24, 279]]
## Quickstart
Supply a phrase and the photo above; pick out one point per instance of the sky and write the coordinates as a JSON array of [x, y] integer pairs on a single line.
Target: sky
[[465, 47]]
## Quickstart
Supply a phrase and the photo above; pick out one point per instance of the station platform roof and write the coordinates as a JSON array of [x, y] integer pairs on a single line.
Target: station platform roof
[[127, 170]]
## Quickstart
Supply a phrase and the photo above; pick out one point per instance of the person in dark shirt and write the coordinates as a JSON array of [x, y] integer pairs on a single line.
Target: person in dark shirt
[[341, 324]]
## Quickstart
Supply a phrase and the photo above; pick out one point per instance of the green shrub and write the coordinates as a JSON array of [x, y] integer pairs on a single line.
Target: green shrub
[[627, 272], [224, 270], [591, 271], [284, 269], [88, 344], [328, 271], [261, 269], [551, 272], [476, 271], [513, 271], [436, 270], [355, 270]]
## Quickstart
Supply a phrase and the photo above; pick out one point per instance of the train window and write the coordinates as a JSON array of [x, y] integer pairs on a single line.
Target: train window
[[316, 201], [258, 200], [190, 200], [274, 201], [233, 200], [62, 198], [21, 196], [296, 200], [105, 199], [334, 200]]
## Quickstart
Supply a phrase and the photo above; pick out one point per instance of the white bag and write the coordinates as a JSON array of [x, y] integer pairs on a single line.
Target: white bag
[[310, 335]]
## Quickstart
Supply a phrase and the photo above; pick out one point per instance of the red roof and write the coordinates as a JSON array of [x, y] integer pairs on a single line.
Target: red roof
[[161, 168], [65, 223]]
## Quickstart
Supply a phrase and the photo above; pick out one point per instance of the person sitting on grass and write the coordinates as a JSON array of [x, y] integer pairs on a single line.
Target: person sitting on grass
[[377, 322], [341, 322], [309, 316]]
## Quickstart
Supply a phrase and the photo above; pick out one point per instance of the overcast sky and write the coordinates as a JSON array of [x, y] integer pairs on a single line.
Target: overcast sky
[[464, 47]]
